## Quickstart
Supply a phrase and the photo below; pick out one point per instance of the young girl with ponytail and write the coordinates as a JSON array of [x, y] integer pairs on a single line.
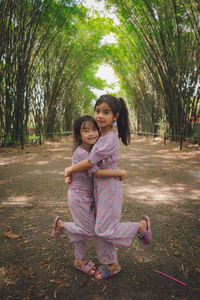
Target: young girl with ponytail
[[108, 191]]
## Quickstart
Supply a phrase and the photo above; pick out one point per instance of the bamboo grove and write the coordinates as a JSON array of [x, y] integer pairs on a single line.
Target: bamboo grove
[[50, 51], [49, 55], [158, 60]]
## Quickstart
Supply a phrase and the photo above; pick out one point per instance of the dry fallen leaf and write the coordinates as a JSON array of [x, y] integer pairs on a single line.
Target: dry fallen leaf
[[11, 235], [105, 286], [144, 267]]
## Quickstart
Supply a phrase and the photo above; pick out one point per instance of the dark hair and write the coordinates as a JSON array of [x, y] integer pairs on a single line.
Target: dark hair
[[118, 106], [78, 125]]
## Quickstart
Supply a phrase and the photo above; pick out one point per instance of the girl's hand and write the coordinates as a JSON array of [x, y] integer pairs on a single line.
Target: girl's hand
[[68, 180], [68, 172], [123, 175]]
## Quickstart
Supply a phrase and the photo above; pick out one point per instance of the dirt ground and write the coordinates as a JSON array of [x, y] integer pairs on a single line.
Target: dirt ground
[[162, 182]]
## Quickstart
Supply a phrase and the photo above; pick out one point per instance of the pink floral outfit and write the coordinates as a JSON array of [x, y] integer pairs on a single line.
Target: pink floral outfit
[[81, 200], [108, 193]]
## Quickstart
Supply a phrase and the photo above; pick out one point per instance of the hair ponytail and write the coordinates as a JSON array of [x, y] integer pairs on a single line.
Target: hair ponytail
[[123, 124]]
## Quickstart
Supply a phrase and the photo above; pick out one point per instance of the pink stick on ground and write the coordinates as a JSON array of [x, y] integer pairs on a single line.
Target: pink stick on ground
[[171, 277]]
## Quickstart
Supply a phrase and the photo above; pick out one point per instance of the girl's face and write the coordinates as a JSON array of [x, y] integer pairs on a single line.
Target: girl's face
[[104, 116], [89, 134]]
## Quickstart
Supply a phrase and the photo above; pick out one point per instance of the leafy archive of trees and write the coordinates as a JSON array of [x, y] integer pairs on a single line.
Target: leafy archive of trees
[[50, 51]]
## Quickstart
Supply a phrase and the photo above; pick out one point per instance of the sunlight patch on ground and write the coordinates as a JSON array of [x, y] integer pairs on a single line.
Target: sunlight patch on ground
[[17, 159], [41, 172], [154, 181], [159, 195], [8, 161], [60, 149], [55, 172], [67, 158], [18, 200], [196, 174], [194, 195], [60, 206], [177, 153], [131, 157], [181, 187], [35, 172], [41, 163], [56, 156]]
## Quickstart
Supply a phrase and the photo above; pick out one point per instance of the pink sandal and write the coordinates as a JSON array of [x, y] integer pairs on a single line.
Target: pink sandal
[[146, 236], [86, 267], [56, 233]]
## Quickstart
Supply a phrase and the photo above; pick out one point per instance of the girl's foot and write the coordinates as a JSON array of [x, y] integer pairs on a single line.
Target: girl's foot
[[106, 271], [58, 228], [142, 226], [60, 225], [86, 266], [144, 231]]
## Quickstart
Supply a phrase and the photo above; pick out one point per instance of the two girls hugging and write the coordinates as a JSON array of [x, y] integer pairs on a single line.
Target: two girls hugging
[[95, 193]]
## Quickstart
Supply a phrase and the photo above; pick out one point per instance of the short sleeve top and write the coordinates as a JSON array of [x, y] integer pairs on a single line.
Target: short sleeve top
[[105, 152]]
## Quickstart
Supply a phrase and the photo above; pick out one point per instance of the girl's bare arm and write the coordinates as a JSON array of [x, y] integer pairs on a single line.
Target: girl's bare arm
[[81, 166], [85, 164], [105, 173]]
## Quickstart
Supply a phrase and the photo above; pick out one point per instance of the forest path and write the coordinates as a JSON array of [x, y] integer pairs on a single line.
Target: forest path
[[162, 182]]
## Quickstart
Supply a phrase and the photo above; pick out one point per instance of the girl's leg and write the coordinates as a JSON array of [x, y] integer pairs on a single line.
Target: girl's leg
[[82, 214], [80, 230], [106, 251], [83, 223], [108, 224], [80, 249], [107, 256], [106, 248], [110, 231], [122, 233]]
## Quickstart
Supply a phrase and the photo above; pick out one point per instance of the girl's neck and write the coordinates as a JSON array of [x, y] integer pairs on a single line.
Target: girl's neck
[[87, 147], [104, 131]]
